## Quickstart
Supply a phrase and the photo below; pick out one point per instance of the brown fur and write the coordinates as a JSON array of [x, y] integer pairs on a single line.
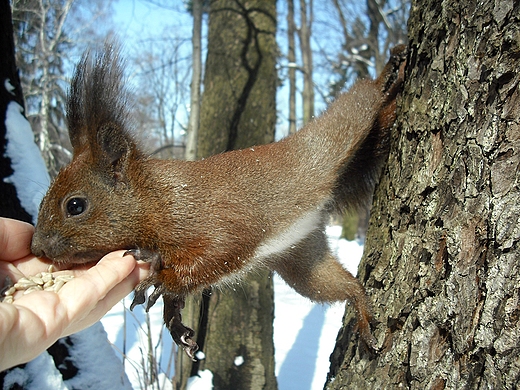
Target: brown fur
[[203, 222]]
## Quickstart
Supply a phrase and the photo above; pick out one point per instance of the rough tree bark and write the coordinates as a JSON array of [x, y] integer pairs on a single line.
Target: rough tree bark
[[238, 103], [441, 260], [238, 111]]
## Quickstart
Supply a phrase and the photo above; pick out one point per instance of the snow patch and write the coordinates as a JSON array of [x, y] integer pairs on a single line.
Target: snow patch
[[38, 374], [30, 177], [8, 86], [203, 381], [90, 345], [239, 360]]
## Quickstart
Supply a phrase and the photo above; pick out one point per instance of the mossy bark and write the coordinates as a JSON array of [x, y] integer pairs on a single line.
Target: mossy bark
[[441, 259]]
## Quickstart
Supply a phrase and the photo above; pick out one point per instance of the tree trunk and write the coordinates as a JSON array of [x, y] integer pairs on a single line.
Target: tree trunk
[[193, 126], [235, 328], [238, 103], [441, 260]]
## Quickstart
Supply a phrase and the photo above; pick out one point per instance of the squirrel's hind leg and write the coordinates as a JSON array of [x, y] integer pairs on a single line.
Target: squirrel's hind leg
[[314, 272]]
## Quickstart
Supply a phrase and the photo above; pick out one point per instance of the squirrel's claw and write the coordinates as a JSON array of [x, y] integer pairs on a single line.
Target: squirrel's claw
[[139, 297], [140, 293], [149, 256], [186, 342]]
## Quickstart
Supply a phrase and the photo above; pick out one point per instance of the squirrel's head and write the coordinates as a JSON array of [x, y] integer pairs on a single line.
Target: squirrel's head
[[87, 211]]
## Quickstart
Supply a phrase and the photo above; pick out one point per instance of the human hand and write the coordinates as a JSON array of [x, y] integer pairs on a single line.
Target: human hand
[[35, 321]]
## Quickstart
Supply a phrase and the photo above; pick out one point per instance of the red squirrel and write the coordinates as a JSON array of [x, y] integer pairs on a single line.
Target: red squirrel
[[208, 222]]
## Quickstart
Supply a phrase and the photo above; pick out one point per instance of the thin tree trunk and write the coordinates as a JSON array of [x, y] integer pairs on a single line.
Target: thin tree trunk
[[193, 125], [374, 8], [49, 48], [441, 259], [306, 50], [291, 59]]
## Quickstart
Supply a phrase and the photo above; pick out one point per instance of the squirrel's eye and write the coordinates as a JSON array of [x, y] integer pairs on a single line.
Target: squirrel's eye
[[76, 206]]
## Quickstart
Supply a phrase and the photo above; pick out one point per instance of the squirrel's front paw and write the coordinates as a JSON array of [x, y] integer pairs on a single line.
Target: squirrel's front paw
[[140, 293], [143, 255], [147, 255]]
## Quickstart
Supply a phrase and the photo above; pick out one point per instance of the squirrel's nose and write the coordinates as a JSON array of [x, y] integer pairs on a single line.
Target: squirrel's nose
[[37, 251], [45, 245], [37, 247]]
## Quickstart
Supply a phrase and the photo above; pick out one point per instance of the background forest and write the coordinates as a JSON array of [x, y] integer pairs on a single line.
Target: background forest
[[440, 265], [322, 47]]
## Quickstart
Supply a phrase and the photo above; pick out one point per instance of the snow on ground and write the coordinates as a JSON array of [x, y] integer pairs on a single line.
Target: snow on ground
[[304, 334]]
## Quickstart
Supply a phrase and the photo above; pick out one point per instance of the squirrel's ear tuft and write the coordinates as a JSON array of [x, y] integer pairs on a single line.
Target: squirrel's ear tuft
[[97, 97]]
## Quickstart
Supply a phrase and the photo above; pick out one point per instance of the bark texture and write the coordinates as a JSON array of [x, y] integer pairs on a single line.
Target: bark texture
[[441, 260], [239, 348], [238, 103]]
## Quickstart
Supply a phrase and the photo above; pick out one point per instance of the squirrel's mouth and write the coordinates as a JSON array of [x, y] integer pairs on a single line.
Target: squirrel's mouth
[[92, 256], [63, 251], [75, 258]]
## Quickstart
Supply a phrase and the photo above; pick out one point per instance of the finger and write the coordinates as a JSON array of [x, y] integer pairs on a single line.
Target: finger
[[83, 293], [111, 299], [15, 239]]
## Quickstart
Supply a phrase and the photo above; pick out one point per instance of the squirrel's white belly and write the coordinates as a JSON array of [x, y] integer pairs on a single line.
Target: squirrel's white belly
[[292, 235]]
